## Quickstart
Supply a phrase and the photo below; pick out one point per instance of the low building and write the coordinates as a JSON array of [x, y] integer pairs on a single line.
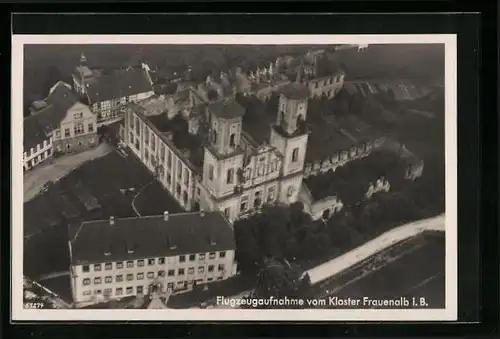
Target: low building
[[59, 123], [108, 91], [116, 258]]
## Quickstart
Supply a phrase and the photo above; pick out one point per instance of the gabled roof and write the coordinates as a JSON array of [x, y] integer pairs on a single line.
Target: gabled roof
[[38, 125], [150, 237], [226, 109], [118, 84]]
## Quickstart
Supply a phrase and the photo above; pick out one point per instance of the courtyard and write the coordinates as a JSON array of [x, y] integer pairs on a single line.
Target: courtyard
[[96, 190]]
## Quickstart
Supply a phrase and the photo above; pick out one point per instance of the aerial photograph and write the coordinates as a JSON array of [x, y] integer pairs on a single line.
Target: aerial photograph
[[163, 176]]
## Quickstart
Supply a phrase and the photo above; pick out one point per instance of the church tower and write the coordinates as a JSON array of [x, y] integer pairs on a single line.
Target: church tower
[[223, 154], [289, 136]]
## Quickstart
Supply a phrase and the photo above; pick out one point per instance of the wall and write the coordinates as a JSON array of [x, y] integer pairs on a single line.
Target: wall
[[157, 269], [328, 86]]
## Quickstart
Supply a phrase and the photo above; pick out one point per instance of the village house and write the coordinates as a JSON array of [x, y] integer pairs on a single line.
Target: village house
[[108, 91], [125, 257], [57, 124]]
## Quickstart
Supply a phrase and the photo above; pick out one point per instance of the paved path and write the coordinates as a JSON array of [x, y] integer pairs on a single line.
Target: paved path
[[363, 252], [57, 168]]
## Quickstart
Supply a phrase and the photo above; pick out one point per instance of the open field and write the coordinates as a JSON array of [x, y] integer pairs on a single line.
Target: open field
[[422, 259], [99, 183]]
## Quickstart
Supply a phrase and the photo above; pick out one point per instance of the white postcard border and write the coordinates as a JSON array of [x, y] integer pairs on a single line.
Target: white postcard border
[[447, 314]]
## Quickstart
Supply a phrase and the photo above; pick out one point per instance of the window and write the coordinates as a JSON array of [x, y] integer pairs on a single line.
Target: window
[[185, 197], [140, 263], [161, 273], [221, 267], [86, 281], [130, 277], [179, 169], [153, 143], [181, 271], [191, 270], [42, 156], [79, 129], [130, 290], [271, 191], [140, 276], [140, 289], [182, 258], [86, 293], [169, 159], [222, 254], [58, 134], [230, 176], [108, 279], [210, 279], [151, 262], [162, 152], [146, 136], [192, 257], [151, 275], [214, 136], [244, 203], [97, 280], [201, 256], [108, 291], [295, 155], [119, 265], [178, 189], [119, 291], [210, 268], [91, 127], [171, 273], [119, 278], [130, 264], [227, 212], [77, 115], [85, 268], [169, 178], [201, 269], [97, 267], [210, 172], [108, 266], [161, 261], [232, 140], [211, 255], [97, 292], [219, 278]]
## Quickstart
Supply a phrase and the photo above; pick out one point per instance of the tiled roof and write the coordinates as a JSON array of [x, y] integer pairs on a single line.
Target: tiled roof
[[295, 91], [39, 124], [258, 119], [118, 84], [149, 237], [227, 109]]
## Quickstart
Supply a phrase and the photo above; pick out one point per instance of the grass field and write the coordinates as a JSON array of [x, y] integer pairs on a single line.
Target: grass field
[[47, 216], [414, 268]]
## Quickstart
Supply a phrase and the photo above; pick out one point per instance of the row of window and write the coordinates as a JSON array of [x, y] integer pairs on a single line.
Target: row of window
[[139, 289], [257, 201], [152, 261], [328, 81], [106, 103], [151, 275], [38, 148]]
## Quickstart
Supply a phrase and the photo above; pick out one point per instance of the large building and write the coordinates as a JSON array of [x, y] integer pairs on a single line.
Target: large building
[[108, 91], [57, 124], [228, 165], [116, 258]]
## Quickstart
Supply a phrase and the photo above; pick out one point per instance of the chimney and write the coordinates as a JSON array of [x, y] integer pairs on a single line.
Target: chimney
[[211, 238], [202, 213], [111, 220], [165, 215]]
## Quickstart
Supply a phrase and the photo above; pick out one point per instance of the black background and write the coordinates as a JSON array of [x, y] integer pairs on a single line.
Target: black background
[[477, 137]]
